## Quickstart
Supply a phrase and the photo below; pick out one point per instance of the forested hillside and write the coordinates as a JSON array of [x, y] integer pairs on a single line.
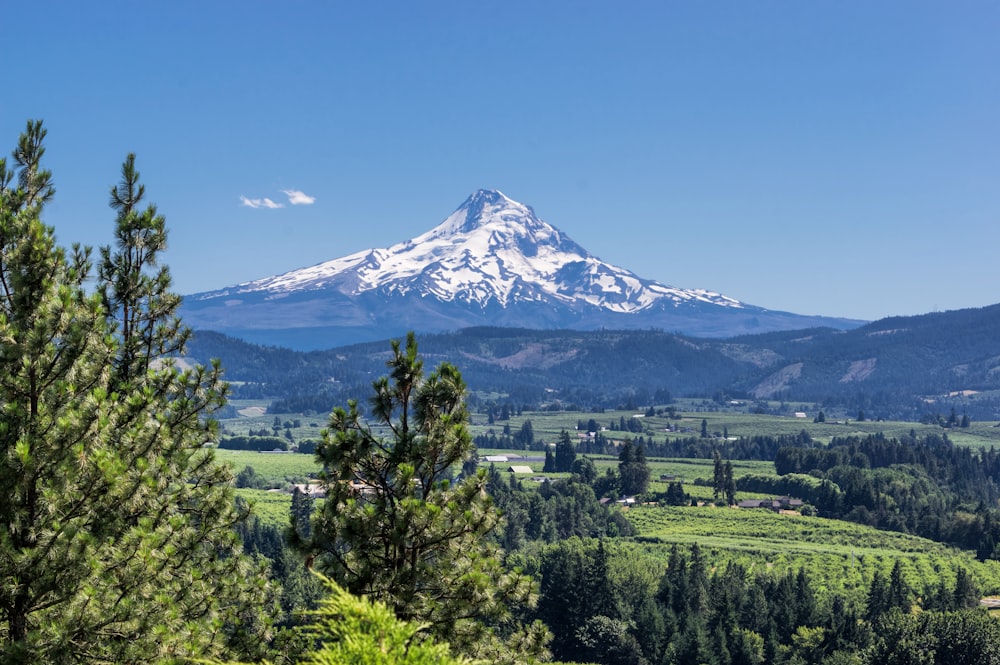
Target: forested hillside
[[900, 368]]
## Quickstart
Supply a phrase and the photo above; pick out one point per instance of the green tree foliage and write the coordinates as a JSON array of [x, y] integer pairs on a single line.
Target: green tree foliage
[[357, 631], [911, 484], [525, 436], [583, 467], [394, 528], [633, 470], [576, 590], [565, 453], [718, 476], [729, 483], [936, 638], [117, 542], [675, 495], [556, 510]]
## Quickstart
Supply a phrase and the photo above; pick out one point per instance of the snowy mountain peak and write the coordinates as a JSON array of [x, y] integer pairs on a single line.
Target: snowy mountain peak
[[492, 251], [484, 203], [487, 208]]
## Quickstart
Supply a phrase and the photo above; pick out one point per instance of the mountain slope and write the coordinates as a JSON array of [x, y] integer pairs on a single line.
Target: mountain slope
[[894, 368], [491, 262]]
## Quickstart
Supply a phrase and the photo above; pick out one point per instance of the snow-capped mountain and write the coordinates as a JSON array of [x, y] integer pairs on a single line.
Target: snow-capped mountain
[[491, 262]]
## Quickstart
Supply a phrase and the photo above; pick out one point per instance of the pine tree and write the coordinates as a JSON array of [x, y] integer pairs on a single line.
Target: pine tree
[[118, 542], [394, 529], [565, 453], [729, 483], [550, 461], [633, 471], [301, 516], [718, 476]]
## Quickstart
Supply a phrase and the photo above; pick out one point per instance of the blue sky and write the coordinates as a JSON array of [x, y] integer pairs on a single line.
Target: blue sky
[[816, 157]]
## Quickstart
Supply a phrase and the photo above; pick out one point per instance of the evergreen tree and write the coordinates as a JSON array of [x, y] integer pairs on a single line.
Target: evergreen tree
[[394, 529], [633, 471], [118, 542], [718, 476], [898, 595], [730, 483], [525, 436], [550, 461], [345, 629], [676, 496], [966, 595], [878, 597], [565, 453], [301, 516]]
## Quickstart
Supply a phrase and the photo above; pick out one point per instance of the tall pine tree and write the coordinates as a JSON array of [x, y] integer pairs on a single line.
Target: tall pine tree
[[117, 542], [395, 529]]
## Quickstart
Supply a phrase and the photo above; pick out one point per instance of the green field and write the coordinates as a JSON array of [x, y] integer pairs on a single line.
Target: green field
[[732, 421], [843, 556], [279, 469], [547, 426], [253, 414], [270, 507]]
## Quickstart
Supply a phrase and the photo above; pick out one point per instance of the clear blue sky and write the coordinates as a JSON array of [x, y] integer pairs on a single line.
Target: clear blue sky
[[838, 158]]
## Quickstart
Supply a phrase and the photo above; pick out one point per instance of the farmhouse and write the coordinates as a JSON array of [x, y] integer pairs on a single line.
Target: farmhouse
[[775, 504], [314, 490], [520, 468]]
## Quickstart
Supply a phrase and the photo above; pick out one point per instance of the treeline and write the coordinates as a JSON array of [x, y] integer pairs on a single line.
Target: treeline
[[258, 443], [555, 511], [757, 447], [920, 485], [606, 604]]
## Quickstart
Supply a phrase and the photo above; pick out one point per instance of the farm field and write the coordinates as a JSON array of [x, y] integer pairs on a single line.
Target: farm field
[[278, 469], [842, 555], [683, 469], [270, 507], [547, 426]]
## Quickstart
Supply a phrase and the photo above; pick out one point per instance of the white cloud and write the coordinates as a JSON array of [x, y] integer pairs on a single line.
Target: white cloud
[[259, 203], [298, 198]]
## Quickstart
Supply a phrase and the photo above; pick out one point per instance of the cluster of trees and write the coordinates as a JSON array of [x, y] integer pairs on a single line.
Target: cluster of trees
[[256, 442], [605, 604], [522, 439], [562, 458], [723, 483], [555, 511], [755, 447], [922, 485]]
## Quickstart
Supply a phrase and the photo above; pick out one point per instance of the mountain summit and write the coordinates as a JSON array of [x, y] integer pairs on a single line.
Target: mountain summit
[[491, 262]]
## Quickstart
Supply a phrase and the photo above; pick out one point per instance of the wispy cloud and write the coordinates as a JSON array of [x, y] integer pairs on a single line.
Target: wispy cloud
[[299, 198], [259, 203]]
